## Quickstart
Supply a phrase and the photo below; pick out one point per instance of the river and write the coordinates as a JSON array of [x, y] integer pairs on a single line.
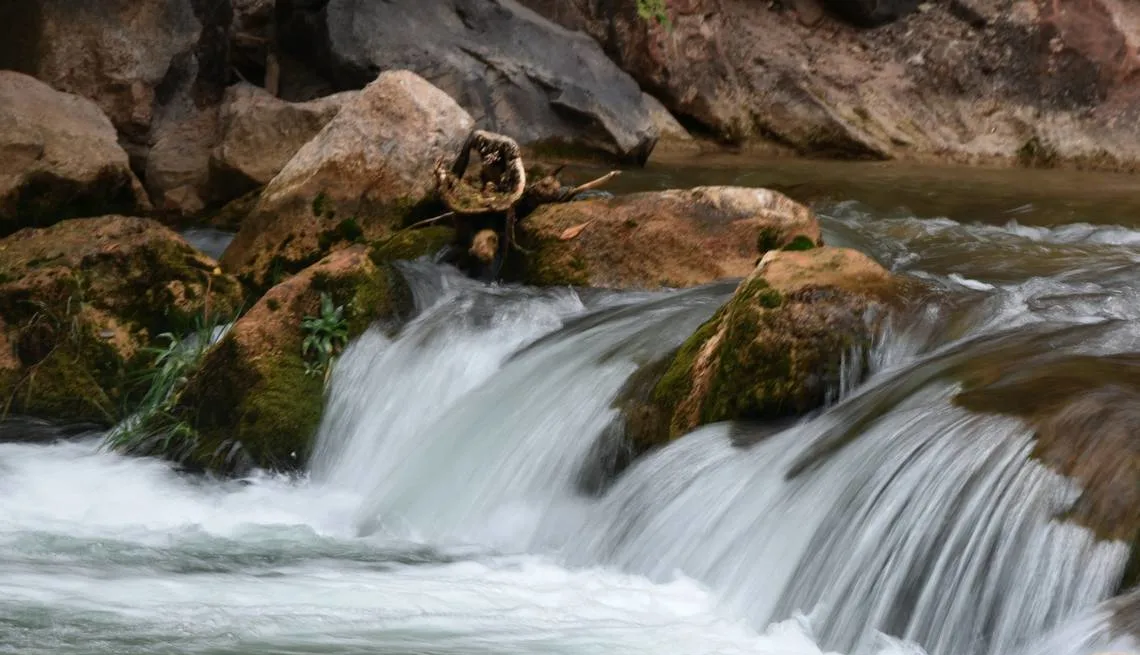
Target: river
[[458, 500]]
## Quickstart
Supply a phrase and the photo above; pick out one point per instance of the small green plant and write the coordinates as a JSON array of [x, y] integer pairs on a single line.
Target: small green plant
[[325, 336], [154, 428], [654, 10]]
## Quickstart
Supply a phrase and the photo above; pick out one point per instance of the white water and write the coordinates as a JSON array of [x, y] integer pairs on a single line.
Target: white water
[[444, 515]]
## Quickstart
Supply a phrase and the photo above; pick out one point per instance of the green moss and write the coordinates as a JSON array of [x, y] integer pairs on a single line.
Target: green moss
[[1036, 153], [234, 213], [767, 238], [347, 230], [677, 382], [411, 244], [801, 242], [320, 204], [553, 263]]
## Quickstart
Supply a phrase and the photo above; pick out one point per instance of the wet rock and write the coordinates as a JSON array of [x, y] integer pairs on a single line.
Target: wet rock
[[59, 158], [80, 301], [1085, 413], [255, 400], [366, 173], [775, 350], [661, 239], [516, 72], [260, 134], [969, 81]]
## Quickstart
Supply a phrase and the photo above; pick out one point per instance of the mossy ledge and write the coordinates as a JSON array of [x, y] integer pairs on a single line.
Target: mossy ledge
[[252, 402]]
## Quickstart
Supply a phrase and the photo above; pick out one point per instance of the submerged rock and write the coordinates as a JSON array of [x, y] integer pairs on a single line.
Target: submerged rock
[[517, 72], [256, 400], [59, 158], [368, 172], [777, 349], [1085, 413], [260, 134], [661, 239], [81, 299]]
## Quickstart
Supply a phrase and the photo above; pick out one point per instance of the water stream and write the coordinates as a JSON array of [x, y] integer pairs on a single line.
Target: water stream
[[444, 511]]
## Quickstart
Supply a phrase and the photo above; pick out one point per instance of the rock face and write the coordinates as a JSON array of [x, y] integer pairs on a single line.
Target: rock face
[[260, 134], [252, 402], [82, 298], [1085, 412], [514, 71], [1029, 82], [365, 173], [59, 158], [662, 239], [774, 351]]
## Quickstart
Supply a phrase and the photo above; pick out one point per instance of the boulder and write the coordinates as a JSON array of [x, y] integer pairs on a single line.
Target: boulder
[[260, 134], [1085, 413], [59, 158], [256, 400], [775, 350], [513, 70], [366, 173], [675, 238], [83, 298], [115, 52], [967, 81]]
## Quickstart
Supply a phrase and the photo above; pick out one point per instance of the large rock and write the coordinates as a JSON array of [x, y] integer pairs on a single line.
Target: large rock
[[516, 72], [366, 173], [776, 349], [260, 133], [59, 158], [81, 299], [971, 81], [661, 239], [1085, 412], [252, 402]]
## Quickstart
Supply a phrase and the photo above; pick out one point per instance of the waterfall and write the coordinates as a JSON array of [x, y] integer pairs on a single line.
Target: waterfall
[[932, 525]]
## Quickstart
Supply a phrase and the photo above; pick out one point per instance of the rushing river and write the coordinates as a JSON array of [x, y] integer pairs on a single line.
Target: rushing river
[[453, 504]]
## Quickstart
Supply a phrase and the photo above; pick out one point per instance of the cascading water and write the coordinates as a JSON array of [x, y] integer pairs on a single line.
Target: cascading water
[[445, 510]]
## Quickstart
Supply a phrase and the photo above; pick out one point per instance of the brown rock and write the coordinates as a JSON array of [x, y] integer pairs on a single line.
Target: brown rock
[[1085, 412], [970, 81], [59, 158], [115, 52], [668, 238], [367, 172], [260, 134], [775, 350], [256, 400], [82, 298], [178, 164]]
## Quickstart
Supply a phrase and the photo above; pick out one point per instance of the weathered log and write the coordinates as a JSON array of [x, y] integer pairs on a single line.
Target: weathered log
[[502, 177]]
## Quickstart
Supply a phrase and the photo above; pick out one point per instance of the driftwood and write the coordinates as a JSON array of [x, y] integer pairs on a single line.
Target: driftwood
[[499, 192]]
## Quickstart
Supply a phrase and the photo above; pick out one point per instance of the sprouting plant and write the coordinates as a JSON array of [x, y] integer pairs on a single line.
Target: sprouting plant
[[154, 428], [325, 336], [654, 10]]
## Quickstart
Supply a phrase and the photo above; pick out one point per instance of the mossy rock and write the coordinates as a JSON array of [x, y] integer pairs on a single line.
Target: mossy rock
[[81, 302], [660, 239], [252, 402], [775, 350], [411, 244]]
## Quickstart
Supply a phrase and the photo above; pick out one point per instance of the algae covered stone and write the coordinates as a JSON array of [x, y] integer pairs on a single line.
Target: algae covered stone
[[82, 299], [253, 401], [675, 238], [776, 349]]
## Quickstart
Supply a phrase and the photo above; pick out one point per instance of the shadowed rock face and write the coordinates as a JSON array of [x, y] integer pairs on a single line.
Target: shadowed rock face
[[1030, 82], [514, 71]]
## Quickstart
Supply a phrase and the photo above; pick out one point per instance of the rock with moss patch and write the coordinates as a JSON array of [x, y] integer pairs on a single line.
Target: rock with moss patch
[[254, 401], [371, 165], [661, 239], [59, 158], [1085, 414], [775, 350], [80, 301]]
